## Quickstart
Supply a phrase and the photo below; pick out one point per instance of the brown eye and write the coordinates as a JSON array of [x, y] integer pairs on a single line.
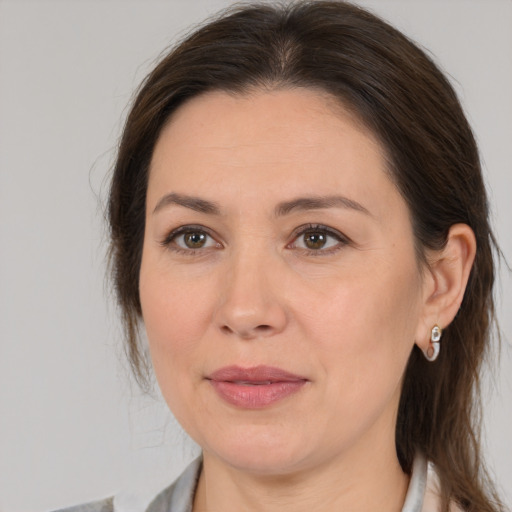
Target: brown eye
[[194, 239], [190, 239], [315, 240], [319, 240]]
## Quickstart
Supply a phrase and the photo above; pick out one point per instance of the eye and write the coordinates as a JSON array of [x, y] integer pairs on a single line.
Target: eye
[[320, 239], [190, 239]]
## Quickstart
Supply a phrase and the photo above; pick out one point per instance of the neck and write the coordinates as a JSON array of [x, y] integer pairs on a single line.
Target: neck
[[356, 482]]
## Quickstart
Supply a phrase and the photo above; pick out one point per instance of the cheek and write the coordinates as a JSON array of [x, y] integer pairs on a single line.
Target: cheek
[[364, 322], [378, 299], [174, 318], [174, 299], [176, 312]]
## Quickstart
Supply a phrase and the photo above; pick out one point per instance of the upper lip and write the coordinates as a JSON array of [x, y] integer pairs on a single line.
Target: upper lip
[[256, 374]]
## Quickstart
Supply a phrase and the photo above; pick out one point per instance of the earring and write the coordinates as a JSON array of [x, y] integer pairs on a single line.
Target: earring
[[433, 350]]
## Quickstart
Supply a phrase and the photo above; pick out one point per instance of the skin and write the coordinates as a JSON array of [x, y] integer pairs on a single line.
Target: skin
[[344, 315]]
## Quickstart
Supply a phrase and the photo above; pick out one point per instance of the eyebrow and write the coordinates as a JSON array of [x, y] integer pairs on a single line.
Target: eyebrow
[[285, 208], [194, 203], [318, 203]]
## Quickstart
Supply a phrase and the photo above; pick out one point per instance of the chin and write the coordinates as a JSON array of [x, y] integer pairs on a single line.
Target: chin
[[261, 450]]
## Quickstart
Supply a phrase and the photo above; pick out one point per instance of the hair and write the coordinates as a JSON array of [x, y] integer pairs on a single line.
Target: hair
[[395, 90]]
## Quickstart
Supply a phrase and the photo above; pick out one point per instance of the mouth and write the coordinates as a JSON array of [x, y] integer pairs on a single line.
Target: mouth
[[256, 387], [248, 383]]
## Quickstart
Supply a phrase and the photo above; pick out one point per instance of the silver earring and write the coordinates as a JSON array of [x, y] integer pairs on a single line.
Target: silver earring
[[433, 350]]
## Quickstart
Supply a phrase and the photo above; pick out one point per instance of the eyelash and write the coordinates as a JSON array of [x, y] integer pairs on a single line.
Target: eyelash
[[320, 229], [169, 241]]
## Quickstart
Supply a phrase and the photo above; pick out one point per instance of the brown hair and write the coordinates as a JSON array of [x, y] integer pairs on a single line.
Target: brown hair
[[400, 94]]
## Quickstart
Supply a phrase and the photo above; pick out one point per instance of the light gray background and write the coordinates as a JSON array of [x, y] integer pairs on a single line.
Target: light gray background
[[72, 428]]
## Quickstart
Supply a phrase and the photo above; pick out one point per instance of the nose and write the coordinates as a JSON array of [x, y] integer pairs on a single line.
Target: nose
[[251, 301]]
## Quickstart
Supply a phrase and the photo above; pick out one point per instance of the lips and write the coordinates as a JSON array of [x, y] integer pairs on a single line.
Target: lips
[[255, 387]]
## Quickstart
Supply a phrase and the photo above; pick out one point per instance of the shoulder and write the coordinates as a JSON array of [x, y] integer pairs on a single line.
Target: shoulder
[[424, 493], [106, 505], [178, 497], [432, 499]]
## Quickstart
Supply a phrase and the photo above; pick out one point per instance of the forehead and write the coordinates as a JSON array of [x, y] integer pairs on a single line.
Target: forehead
[[284, 141], [242, 114]]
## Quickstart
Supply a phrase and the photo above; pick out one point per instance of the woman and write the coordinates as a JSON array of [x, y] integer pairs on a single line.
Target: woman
[[299, 219]]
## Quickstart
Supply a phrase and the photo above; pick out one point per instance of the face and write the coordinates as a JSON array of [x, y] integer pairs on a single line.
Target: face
[[279, 284]]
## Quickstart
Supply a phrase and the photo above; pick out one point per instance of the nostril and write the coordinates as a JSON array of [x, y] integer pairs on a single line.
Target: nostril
[[263, 328], [258, 330]]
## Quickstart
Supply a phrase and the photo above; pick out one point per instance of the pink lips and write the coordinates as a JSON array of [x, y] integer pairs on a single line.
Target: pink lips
[[256, 387]]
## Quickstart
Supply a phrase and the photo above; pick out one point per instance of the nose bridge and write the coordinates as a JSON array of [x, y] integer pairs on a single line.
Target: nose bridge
[[250, 304]]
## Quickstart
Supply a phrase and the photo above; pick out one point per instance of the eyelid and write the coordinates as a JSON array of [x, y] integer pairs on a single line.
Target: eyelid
[[334, 233], [167, 242], [342, 239]]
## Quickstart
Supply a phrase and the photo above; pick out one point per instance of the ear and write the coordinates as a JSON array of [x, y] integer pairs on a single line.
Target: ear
[[445, 281]]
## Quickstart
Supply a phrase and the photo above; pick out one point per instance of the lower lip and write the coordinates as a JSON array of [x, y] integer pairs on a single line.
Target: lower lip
[[255, 396]]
